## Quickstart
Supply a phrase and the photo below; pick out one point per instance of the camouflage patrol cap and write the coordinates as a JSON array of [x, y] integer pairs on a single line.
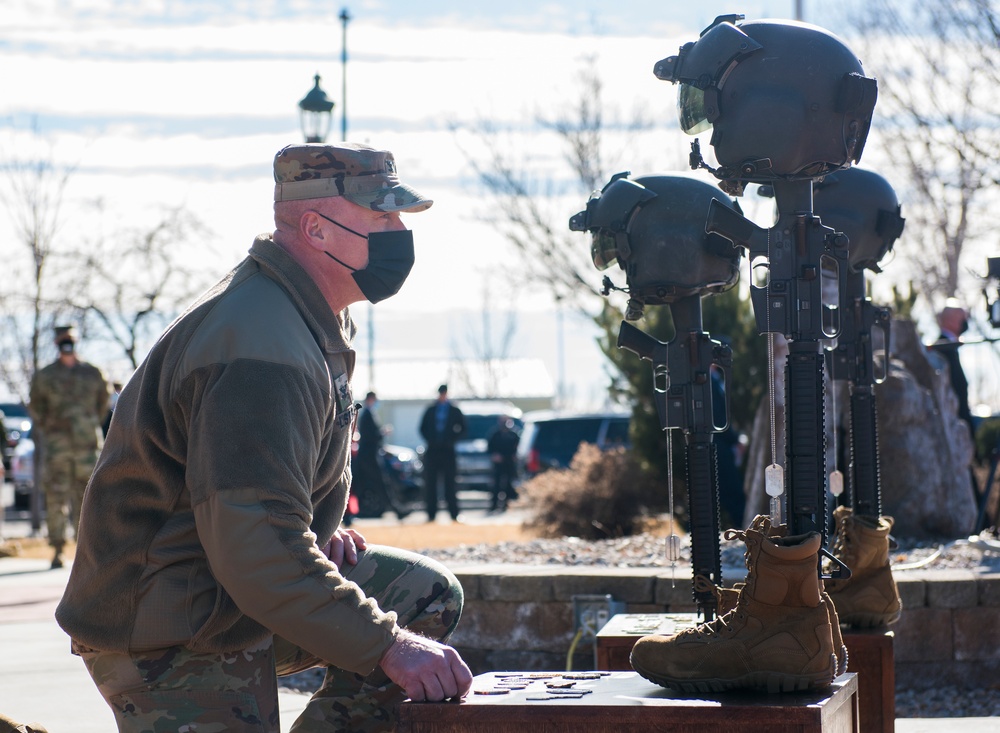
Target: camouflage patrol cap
[[65, 333], [361, 174]]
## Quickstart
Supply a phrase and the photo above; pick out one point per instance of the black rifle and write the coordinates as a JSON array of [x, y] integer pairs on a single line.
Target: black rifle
[[854, 360], [798, 251], [683, 392]]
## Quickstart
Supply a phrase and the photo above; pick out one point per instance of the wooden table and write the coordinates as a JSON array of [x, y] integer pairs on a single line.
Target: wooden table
[[869, 654], [623, 702], [619, 635]]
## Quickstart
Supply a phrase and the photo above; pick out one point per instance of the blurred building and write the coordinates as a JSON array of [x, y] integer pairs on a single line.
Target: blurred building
[[405, 388]]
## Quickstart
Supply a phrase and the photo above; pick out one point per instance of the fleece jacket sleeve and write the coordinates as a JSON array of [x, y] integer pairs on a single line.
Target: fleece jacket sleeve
[[257, 433], [290, 587]]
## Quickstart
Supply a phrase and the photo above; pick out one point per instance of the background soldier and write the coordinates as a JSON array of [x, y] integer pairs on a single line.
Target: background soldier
[[69, 399]]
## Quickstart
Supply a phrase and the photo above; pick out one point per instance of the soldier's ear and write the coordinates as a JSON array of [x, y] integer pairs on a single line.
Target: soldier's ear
[[311, 230]]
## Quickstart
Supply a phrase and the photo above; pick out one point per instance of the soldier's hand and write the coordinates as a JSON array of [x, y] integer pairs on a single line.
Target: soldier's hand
[[426, 669], [343, 547]]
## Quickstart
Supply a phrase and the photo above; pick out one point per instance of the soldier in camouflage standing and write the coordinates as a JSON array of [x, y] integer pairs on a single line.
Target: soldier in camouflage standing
[[69, 399]]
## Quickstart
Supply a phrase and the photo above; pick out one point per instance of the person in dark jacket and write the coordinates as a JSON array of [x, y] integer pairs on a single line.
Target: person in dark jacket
[[501, 444], [953, 320], [441, 426], [374, 493]]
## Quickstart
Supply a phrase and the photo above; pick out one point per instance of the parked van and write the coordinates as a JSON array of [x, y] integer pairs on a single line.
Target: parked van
[[550, 438]]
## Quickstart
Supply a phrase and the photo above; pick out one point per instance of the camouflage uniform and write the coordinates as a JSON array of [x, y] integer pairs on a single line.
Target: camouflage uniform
[[67, 405], [152, 692]]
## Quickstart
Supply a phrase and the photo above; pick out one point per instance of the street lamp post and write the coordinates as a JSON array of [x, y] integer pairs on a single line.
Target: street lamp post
[[315, 113], [344, 17]]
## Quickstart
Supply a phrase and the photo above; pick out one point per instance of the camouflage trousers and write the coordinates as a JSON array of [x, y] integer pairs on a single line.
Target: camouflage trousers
[[64, 478], [176, 690]]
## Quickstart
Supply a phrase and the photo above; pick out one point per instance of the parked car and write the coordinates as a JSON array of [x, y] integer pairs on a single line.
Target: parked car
[[22, 470], [474, 467], [17, 422], [401, 469], [550, 438]]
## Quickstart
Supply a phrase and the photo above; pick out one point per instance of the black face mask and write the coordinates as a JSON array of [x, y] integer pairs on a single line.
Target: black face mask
[[390, 258]]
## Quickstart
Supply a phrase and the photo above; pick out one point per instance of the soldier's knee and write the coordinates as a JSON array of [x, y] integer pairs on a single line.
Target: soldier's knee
[[442, 605]]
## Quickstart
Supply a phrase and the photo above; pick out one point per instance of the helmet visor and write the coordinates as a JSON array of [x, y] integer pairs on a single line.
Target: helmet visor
[[691, 109], [603, 249]]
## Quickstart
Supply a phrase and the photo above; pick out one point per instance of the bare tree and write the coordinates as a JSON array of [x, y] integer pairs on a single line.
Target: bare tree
[[33, 192], [120, 288], [136, 281], [490, 350], [531, 207], [937, 124]]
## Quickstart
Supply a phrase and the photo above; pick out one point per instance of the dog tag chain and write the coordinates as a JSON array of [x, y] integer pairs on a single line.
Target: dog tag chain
[[774, 474]]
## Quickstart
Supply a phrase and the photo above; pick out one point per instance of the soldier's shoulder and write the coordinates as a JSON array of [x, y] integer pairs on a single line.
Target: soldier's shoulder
[[91, 370], [47, 371]]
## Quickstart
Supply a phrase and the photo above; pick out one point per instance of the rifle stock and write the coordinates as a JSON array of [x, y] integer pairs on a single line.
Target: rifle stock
[[854, 360], [684, 401]]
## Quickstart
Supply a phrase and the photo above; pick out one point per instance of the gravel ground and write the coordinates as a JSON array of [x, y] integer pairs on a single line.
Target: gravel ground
[[650, 551], [980, 553]]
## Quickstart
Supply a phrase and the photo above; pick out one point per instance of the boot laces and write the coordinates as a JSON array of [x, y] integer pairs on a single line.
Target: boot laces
[[703, 584], [717, 626], [760, 526], [841, 545]]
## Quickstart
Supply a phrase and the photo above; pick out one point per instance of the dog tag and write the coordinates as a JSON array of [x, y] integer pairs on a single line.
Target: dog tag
[[673, 548], [836, 483], [774, 480]]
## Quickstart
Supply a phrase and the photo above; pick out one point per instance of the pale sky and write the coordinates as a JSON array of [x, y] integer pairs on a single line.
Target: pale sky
[[186, 102], [172, 102]]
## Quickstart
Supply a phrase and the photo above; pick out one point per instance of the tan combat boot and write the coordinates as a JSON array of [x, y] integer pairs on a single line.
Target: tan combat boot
[[728, 597], [869, 598], [778, 638]]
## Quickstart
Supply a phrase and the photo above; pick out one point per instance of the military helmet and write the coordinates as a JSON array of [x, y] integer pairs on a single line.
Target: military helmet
[[784, 99], [654, 228], [861, 204]]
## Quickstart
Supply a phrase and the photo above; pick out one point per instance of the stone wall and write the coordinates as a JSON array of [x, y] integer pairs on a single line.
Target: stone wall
[[521, 618]]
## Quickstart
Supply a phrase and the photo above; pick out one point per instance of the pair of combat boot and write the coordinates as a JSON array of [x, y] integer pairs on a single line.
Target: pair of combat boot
[[777, 637], [779, 631]]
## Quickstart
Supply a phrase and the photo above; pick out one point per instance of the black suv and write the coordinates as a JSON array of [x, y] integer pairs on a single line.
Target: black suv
[[550, 439]]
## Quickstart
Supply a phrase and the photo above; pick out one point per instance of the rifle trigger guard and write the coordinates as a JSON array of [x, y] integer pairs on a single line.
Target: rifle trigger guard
[[840, 572]]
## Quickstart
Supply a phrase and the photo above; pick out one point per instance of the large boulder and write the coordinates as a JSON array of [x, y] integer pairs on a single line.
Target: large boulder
[[925, 450]]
